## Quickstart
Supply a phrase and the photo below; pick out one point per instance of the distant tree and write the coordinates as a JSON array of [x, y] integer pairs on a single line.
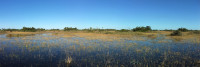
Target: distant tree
[[28, 29], [182, 29], [40, 29], [168, 30], [10, 30], [110, 29], [91, 28], [142, 29], [148, 28], [123, 30], [54, 29], [69, 29]]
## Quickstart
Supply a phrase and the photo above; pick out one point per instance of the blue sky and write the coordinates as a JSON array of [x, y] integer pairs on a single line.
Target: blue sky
[[118, 14]]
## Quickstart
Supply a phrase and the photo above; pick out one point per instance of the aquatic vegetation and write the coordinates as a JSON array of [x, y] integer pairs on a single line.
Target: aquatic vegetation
[[82, 49], [68, 60]]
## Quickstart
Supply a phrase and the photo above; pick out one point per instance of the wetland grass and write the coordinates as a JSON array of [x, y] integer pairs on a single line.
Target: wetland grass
[[100, 49]]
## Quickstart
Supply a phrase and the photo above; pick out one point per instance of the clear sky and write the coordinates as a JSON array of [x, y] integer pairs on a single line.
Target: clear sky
[[118, 14]]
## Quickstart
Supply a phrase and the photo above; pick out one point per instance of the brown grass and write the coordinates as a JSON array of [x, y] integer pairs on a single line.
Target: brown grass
[[132, 35], [2, 32], [108, 36], [187, 36], [112, 35], [97, 35], [23, 32]]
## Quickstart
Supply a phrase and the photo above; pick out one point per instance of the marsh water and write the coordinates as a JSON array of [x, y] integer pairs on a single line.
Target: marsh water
[[46, 50]]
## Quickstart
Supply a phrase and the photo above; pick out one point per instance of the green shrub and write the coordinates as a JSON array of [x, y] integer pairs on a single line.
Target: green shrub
[[168, 30], [28, 29], [54, 29], [40, 29], [10, 30], [123, 30], [142, 29], [182, 29], [69, 29], [176, 33]]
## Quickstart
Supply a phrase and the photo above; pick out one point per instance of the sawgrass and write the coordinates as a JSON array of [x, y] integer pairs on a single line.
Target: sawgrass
[[111, 35]]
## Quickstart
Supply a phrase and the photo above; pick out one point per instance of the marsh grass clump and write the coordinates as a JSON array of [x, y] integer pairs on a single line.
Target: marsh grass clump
[[68, 60], [176, 33]]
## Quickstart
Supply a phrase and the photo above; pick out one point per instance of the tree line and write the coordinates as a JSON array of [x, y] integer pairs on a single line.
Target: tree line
[[136, 29], [24, 29]]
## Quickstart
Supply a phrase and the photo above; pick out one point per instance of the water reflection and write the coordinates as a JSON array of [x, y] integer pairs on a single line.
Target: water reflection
[[52, 51]]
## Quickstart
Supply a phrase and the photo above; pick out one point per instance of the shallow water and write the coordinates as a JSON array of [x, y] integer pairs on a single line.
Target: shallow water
[[45, 50]]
